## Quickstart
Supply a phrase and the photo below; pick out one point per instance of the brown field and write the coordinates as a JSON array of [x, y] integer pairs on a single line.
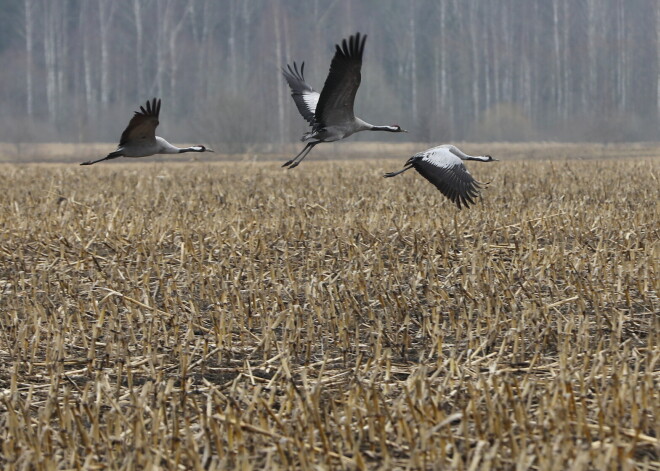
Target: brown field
[[234, 315]]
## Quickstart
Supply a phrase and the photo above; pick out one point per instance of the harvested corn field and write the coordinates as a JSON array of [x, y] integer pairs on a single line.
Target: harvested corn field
[[237, 315]]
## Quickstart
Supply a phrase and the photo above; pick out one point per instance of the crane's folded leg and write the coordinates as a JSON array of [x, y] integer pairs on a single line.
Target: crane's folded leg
[[394, 174], [299, 158], [111, 155]]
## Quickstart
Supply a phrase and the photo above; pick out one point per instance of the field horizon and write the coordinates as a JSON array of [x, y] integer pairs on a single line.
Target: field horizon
[[236, 315], [54, 152]]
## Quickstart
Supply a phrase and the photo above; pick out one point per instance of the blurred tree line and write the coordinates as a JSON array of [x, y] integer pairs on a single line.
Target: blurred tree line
[[574, 70]]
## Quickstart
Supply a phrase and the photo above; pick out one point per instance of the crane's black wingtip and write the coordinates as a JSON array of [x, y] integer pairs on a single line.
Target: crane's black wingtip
[[352, 47], [358, 44], [155, 106], [294, 72], [345, 46], [359, 38], [151, 108]]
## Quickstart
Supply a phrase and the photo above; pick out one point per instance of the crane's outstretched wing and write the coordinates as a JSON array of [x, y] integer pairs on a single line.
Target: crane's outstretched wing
[[447, 172], [142, 127], [303, 95], [335, 104]]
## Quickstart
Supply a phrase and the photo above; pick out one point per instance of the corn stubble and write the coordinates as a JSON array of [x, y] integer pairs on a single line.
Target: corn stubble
[[239, 316]]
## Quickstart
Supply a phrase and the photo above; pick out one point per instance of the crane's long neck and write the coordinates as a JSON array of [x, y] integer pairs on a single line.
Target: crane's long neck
[[364, 126], [384, 128], [463, 156], [191, 149], [482, 158], [167, 148]]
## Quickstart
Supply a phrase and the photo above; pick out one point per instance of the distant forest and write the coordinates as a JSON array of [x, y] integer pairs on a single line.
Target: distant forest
[[479, 70]]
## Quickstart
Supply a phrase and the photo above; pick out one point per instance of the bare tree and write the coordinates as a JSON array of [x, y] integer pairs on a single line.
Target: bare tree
[[473, 22], [174, 31], [413, 60], [556, 50], [106, 13], [566, 67], [28, 6], [276, 75], [52, 9], [657, 51], [139, 43], [88, 81], [231, 42]]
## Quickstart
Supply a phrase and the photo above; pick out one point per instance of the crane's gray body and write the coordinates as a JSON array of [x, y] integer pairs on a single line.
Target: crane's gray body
[[330, 113], [337, 132], [145, 148], [139, 138], [443, 166]]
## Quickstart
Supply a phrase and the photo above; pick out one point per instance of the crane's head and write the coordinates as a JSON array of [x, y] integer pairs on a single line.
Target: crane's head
[[490, 159], [397, 128], [201, 148]]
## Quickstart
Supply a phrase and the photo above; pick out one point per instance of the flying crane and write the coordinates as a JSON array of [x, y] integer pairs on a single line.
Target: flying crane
[[330, 113], [443, 166], [139, 138]]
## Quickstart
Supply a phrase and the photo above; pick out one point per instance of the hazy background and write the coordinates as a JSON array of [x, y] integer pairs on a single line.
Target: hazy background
[[478, 70]]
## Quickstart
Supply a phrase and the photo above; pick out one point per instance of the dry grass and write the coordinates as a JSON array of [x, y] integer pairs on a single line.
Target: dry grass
[[237, 315]]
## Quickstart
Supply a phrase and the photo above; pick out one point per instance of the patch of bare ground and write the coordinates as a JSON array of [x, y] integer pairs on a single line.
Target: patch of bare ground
[[237, 315]]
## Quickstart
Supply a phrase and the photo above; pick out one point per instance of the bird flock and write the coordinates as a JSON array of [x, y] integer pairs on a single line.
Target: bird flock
[[331, 117]]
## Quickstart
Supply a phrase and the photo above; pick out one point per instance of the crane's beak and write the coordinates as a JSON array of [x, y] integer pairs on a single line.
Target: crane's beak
[[208, 149]]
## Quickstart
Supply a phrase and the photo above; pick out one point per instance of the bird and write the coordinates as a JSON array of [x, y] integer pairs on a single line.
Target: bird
[[139, 138], [443, 166], [330, 113]]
